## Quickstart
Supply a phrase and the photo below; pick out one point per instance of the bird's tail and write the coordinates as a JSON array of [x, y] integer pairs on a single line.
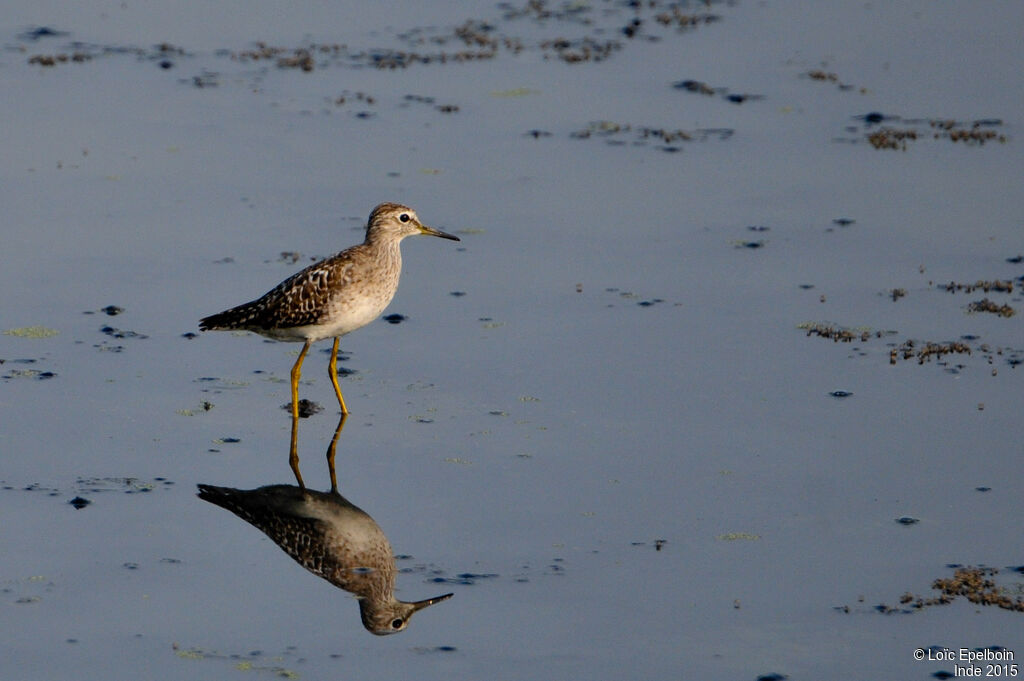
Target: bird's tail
[[236, 317], [221, 496]]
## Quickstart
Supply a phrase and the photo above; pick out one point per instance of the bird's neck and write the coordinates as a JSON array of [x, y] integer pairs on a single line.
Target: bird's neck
[[384, 248]]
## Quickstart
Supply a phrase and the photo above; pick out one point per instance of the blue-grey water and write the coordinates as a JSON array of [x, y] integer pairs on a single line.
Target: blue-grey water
[[603, 423]]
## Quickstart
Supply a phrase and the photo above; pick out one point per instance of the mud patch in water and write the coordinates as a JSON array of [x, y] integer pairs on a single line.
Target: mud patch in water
[[665, 139], [976, 584], [924, 351], [701, 88], [85, 487], [307, 408], [911, 130], [986, 305]]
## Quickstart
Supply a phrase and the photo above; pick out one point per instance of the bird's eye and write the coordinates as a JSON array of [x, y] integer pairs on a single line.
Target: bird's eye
[[404, 217], [397, 623]]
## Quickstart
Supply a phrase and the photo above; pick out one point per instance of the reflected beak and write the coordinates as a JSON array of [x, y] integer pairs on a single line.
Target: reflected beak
[[419, 605], [444, 235]]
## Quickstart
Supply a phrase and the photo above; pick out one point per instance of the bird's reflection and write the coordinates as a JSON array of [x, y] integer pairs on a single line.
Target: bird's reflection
[[330, 537]]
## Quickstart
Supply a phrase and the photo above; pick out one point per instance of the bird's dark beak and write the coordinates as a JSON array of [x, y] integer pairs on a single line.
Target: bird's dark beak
[[419, 605], [436, 232]]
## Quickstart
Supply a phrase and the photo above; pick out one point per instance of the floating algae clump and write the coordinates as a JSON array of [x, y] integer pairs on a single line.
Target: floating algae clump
[[32, 332]]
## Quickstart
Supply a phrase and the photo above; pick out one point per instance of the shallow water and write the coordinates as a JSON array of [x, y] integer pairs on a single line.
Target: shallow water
[[601, 424]]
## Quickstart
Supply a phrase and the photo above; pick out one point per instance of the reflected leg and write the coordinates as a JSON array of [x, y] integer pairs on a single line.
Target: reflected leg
[[332, 451], [293, 452], [332, 371]]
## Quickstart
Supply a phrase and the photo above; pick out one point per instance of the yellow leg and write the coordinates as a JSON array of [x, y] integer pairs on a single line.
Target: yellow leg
[[296, 373], [332, 371]]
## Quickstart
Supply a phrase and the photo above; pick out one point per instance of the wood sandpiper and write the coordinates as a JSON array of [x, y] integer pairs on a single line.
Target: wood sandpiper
[[333, 539], [334, 296]]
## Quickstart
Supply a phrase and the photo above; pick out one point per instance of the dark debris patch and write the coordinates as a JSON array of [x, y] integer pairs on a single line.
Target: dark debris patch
[[109, 310], [986, 285], [265, 665], [986, 305], [342, 357], [925, 352], [579, 50], [823, 76], [344, 371], [976, 584], [907, 520], [840, 334], [359, 103], [85, 487], [909, 131], [307, 408], [424, 650], [702, 88], [121, 333], [207, 79], [124, 485], [874, 118], [464, 578], [395, 318], [34, 374], [737, 98], [41, 32], [556, 567], [665, 139], [442, 108], [921, 351], [971, 133], [47, 60], [583, 33], [892, 138], [696, 87], [165, 54], [305, 58], [631, 296], [79, 53]]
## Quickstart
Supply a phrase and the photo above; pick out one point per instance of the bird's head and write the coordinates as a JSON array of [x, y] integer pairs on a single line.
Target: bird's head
[[395, 221]]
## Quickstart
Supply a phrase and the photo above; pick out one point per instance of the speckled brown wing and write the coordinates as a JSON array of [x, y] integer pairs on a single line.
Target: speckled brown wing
[[299, 300], [300, 537]]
